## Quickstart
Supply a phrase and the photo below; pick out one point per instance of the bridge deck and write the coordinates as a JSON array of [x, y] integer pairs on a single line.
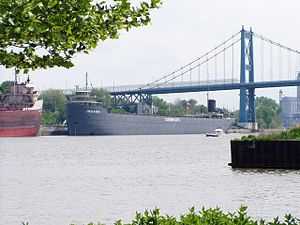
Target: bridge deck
[[209, 87]]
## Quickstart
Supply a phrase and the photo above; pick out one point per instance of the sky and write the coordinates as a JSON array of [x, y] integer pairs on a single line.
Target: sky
[[179, 32]]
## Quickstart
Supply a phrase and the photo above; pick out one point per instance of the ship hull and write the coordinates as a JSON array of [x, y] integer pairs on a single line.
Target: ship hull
[[92, 119], [20, 123]]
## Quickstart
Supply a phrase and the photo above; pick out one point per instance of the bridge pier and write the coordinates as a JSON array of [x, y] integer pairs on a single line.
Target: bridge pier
[[251, 105]]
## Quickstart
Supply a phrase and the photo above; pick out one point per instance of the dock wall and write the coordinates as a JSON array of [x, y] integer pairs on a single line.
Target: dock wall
[[279, 154]]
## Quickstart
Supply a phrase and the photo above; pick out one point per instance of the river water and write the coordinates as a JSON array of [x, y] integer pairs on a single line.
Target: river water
[[63, 180]]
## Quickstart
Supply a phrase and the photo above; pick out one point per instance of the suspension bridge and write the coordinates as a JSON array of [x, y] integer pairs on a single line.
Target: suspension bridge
[[231, 65]]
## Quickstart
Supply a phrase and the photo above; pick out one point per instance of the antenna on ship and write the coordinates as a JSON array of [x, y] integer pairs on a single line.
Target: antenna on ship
[[86, 81], [207, 98], [28, 79]]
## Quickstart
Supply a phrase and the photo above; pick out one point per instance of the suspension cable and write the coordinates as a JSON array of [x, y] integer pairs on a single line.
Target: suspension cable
[[201, 63], [276, 43], [271, 61], [298, 67], [282, 47], [280, 63], [216, 67], [207, 69], [232, 63], [262, 49], [289, 64], [295, 66], [199, 74], [194, 61], [224, 62]]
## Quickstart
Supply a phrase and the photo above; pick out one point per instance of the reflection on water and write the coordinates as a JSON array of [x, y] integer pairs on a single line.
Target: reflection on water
[[277, 172], [60, 180]]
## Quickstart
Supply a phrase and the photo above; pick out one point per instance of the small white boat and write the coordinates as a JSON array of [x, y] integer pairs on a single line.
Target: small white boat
[[219, 131], [216, 133]]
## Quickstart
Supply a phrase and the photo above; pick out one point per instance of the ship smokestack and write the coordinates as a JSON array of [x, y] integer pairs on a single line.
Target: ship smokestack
[[211, 105]]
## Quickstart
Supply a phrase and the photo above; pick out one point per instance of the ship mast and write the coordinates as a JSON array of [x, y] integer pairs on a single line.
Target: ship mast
[[86, 81], [15, 83]]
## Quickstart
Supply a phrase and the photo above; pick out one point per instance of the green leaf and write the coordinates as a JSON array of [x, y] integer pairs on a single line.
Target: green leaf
[[58, 30], [52, 3]]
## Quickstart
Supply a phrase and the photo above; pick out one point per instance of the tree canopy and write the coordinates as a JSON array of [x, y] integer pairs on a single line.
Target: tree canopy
[[53, 106], [5, 86], [47, 33], [102, 96], [179, 108], [267, 113]]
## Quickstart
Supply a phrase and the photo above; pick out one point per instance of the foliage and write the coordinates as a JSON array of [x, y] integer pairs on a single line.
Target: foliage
[[53, 106], [119, 110], [102, 96], [179, 108], [47, 33], [212, 216], [162, 106], [4, 87], [199, 109], [50, 118], [176, 109], [267, 113], [292, 134]]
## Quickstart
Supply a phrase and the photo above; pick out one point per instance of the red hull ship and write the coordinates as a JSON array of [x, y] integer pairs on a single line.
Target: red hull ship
[[20, 111]]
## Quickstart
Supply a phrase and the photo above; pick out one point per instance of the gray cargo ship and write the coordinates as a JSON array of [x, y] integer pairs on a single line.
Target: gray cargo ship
[[86, 116]]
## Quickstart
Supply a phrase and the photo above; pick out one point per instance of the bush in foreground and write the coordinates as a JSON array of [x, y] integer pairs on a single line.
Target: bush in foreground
[[291, 134], [213, 216]]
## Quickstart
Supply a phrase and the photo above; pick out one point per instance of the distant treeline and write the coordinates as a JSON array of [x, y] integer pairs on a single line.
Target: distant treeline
[[183, 107]]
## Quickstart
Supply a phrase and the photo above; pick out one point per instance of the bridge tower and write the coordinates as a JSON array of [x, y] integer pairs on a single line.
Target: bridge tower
[[247, 95]]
